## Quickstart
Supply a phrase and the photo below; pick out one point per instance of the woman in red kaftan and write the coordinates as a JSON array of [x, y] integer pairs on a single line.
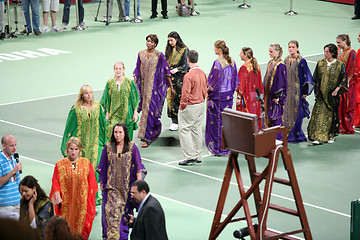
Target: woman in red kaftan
[[357, 87], [347, 54], [250, 79], [73, 189]]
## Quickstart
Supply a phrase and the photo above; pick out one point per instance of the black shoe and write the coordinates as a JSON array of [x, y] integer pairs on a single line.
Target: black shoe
[[198, 161], [355, 18], [153, 16], [187, 162], [165, 17]]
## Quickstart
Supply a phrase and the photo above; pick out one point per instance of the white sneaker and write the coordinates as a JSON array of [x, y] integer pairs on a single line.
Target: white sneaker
[[316, 143], [126, 19], [139, 17], [64, 26], [173, 127], [331, 140], [83, 25], [194, 13], [44, 29], [56, 29]]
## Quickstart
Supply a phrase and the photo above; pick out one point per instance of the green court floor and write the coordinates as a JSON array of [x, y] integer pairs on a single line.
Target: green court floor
[[41, 76]]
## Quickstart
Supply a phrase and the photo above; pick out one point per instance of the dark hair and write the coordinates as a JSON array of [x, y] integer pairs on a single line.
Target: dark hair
[[153, 38], [113, 142], [179, 44], [141, 185], [31, 182], [250, 55], [345, 37], [332, 49], [296, 44], [16, 230], [193, 56], [225, 50], [58, 229]]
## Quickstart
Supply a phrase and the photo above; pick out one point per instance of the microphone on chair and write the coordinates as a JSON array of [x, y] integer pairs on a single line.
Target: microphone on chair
[[16, 156]]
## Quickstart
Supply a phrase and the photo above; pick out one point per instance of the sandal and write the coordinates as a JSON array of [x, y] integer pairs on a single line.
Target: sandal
[[144, 145]]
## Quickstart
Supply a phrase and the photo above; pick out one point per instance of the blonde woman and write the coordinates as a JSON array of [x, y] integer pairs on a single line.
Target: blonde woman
[[275, 84], [118, 110], [86, 121], [73, 189]]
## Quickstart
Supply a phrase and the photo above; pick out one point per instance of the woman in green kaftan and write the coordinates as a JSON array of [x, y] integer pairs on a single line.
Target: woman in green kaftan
[[86, 121], [330, 81], [120, 101]]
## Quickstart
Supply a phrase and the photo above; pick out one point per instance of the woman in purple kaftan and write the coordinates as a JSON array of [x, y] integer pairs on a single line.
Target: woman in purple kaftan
[[275, 84], [222, 82], [300, 85], [152, 78], [120, 165]]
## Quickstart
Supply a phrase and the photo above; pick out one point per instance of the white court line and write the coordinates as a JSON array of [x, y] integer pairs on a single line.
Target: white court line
[[44, 98], [30, 128], [235, 184], [196, 173], [101, 89], [176, 161], [157, 195]]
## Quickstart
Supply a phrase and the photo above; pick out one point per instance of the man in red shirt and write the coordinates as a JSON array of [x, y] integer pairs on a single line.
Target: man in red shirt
[[191, 111]]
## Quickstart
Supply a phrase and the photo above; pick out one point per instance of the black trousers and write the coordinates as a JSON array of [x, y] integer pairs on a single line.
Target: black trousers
[[163, 7], [357, 8]]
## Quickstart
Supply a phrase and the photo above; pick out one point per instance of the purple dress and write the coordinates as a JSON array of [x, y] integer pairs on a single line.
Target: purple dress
[[300, 82], [222, 82], [275, 84], [152, 84], [116, 174]]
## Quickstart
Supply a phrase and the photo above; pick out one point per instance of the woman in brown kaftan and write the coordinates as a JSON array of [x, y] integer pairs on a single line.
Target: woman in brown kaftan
[[330, 81]]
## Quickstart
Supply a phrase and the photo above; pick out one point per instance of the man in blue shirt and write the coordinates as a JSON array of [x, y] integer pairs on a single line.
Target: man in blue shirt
[[9, 179]]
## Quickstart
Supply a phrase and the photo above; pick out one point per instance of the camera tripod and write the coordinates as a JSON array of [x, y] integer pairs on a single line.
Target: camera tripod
[[8, 29]]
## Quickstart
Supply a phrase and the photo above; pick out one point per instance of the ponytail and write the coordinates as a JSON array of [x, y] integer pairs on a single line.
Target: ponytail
[[225, 50]]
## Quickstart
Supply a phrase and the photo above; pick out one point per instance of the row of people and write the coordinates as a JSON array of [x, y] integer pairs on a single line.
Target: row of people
[[51, 7], [73, 192]]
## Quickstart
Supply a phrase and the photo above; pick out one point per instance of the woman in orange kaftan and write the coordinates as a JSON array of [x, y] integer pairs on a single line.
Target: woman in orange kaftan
[[73, 189]]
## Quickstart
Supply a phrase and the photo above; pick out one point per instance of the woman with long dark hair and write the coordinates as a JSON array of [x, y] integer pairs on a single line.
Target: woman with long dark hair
[[222, 82], [175, 54], [275, 84], [250, 82], [300, 85], [36, 208], [119, 167]]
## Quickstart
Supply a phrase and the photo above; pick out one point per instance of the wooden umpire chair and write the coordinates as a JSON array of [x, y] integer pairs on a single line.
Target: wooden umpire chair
[[240, 135]]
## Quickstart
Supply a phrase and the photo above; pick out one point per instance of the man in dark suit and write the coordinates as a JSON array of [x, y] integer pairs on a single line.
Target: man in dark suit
[[150, 221], [163, 8]]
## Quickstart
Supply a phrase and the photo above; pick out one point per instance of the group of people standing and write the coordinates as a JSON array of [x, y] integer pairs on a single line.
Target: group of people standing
[[97, 142]]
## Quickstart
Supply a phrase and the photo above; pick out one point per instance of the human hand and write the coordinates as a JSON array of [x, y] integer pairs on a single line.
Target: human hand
[[173, 93], [33, 199], [18, 167], [172, 71], [334, 93], [304, 96], [276, 100], [107, 116], [135, 116], [57, 198]]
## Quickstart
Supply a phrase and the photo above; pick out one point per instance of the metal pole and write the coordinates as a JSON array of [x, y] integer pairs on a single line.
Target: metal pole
[[291, 12]]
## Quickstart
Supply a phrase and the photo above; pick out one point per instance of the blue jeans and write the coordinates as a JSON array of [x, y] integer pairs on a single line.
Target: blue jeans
[[127, 8], [34, 4], [66, 12]]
